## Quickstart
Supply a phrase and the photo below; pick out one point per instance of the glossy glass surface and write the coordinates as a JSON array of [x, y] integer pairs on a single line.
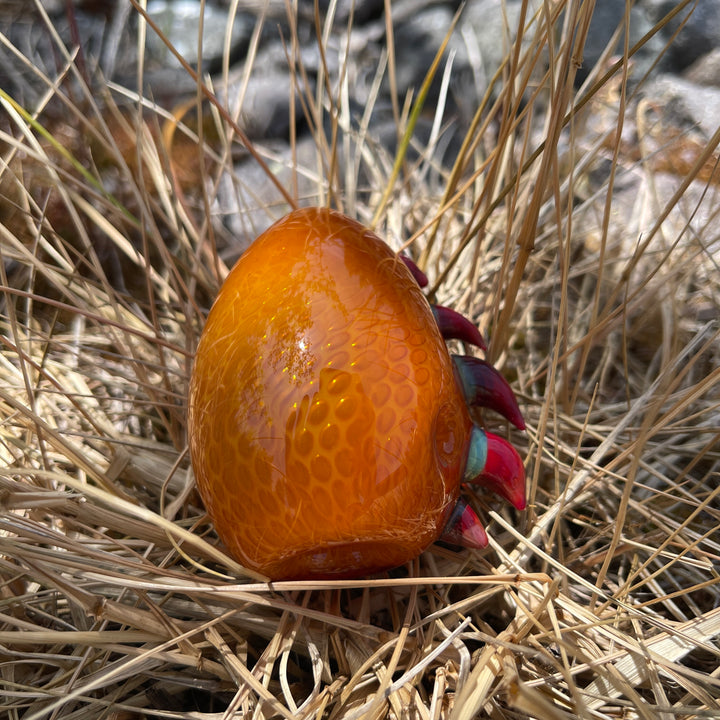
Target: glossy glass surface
[[327, 432]]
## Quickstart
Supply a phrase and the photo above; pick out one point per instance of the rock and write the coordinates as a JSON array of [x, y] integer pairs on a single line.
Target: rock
[[179, 20], [685, 104], [706, 70], [607, 17], [484, 34], [699, 35], [265, 110], [363, 11], [248, 202], [478, 45], [416, 42]]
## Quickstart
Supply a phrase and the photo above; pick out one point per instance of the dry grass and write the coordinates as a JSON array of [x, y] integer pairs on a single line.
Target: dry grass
[[591, 261]]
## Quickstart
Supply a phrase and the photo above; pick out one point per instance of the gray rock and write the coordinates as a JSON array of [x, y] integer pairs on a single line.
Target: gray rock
[[179, 20], [248, 202], [416, 43], [478, 45], [363, 11], [706, 70], [685, 104], [609, 15], [265, 109], [699, 35], [487, 27]]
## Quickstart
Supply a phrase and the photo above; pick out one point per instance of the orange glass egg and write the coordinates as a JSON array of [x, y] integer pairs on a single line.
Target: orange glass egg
[[328, 431]]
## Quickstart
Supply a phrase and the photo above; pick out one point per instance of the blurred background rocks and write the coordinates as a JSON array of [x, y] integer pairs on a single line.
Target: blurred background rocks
[[105, 37], [104, 40]]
